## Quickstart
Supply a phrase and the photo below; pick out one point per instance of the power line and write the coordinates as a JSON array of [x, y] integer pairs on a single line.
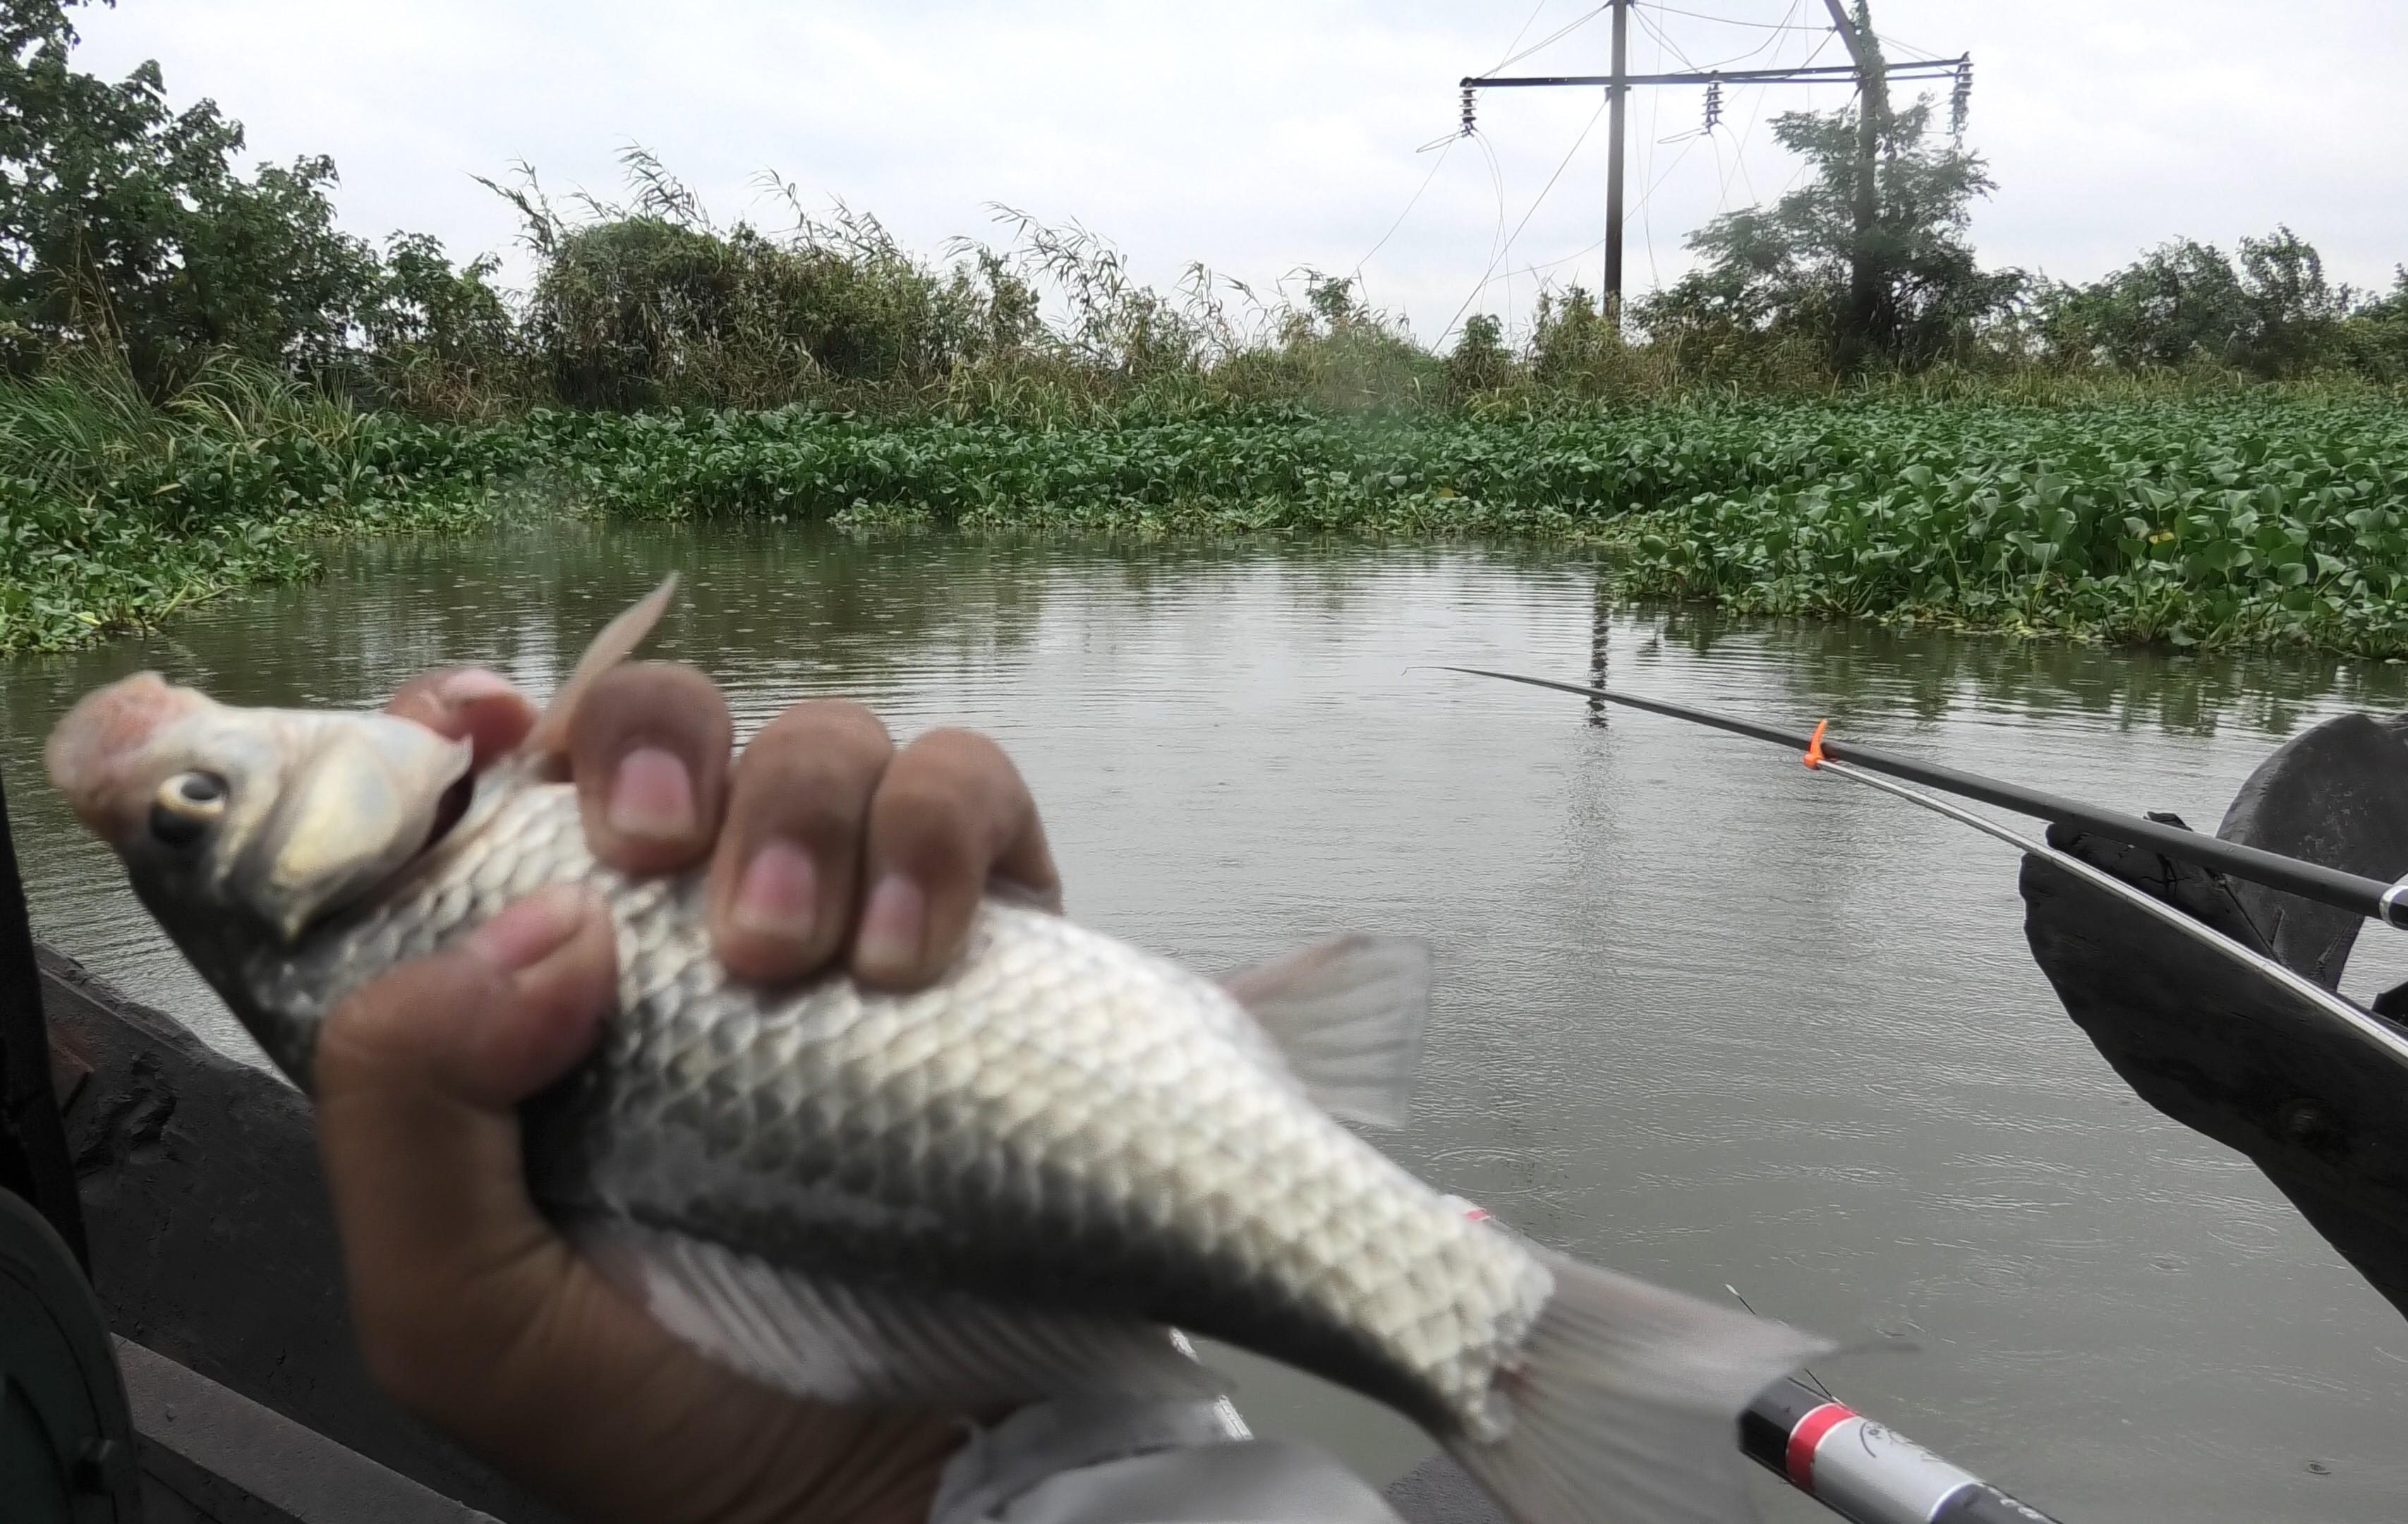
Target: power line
[[1487, 277], [1756, 111], [1588, 249], [1646, 217], [1556, 35], [1777, 37], [1665, 45], [1519, 35], [1733, 21], [1416, 200], [1452, 138], [1497, 175], [1929, 68], [1870, 72]]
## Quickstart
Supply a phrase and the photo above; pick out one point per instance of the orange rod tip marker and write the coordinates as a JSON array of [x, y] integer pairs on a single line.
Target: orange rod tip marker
[[1813, 758]]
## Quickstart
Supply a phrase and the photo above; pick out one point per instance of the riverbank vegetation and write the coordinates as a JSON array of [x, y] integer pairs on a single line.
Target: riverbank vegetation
[[200, 374]]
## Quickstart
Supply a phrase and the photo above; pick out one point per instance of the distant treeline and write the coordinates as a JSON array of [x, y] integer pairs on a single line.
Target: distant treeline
[[127, 228]]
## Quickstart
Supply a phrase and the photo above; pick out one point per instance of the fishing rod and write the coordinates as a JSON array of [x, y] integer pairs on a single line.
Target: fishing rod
[[2269, 868], [2370, 898], [1862, 1470]]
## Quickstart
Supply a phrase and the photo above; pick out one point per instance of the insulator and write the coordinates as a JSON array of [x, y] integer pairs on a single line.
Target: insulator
[[1960, 99], [1713, 104], [1469, 113]]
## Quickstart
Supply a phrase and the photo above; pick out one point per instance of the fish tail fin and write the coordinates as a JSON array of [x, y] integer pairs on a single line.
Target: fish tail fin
[[1624, 1404]]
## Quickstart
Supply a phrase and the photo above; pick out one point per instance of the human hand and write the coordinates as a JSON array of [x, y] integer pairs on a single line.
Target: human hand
[[824, 845]]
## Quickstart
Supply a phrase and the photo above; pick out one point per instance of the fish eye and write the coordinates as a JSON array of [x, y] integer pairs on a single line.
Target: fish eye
[[186, 805]]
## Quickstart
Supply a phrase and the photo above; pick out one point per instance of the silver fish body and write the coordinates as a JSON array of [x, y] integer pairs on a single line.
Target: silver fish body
[[1063, 1122]]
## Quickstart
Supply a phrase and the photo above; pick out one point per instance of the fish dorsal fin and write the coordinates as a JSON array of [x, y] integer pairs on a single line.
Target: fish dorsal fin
[[616, 643], [1346, 1015], [868, 1346]]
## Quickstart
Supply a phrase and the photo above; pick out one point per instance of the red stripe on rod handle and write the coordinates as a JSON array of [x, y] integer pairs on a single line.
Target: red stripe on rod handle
[[1807, 1435]]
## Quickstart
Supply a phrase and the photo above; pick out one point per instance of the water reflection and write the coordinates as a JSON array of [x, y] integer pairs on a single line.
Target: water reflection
[[1931, 675]]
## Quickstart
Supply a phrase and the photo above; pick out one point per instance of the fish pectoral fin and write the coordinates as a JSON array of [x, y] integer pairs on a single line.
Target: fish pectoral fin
[[1347, 1016], [875, 1346]]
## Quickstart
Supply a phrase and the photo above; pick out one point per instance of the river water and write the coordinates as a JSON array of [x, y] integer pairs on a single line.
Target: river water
[[1703, 1016]]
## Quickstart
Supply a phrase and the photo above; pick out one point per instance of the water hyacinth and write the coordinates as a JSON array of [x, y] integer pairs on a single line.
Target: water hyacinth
[[2249, 520], [2242, 517]]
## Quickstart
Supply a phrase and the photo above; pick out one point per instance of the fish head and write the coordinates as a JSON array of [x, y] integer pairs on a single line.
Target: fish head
[[244, 827]]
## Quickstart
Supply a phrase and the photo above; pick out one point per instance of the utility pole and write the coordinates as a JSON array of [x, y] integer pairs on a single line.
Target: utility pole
[[1618, 93], [1868, 71], [1873, 120]]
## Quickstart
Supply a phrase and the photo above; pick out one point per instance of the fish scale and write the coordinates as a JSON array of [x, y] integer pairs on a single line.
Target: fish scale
[[1131, 1121]]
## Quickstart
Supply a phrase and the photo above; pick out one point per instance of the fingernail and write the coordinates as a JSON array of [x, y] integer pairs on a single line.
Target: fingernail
[[779, 894], [892, 927], [653, 795], [531, 930], [471, 683]]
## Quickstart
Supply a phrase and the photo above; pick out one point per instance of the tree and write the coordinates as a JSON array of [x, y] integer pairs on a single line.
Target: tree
[[123, 222], [2292, 311], [2373, 340], [1783, 273], [1480, 362], [440, 340], [2272, 312], [649, 303]]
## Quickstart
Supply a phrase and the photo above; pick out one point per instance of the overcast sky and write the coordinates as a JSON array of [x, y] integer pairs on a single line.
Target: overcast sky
[[1259, 137]]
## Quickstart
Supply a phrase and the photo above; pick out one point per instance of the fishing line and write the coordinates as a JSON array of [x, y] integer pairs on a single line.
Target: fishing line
[[2353, 892], [1812, 1379], [2368, 1027], [2348, 891]]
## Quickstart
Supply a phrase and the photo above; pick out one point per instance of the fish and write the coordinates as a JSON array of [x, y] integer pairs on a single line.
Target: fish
[[1010, 1186]]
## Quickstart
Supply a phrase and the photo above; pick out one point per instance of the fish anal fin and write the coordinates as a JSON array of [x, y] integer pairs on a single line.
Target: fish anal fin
[[616, 643], [1347, 1016], [874, 1347]]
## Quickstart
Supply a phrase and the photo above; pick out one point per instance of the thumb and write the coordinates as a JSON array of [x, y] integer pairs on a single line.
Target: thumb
[[418, 1078]]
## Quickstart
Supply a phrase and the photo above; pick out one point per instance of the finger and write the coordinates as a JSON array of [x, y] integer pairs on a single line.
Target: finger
[[649, 749], [417, 1076], [468, 702], [787, 869], [950, 813]]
